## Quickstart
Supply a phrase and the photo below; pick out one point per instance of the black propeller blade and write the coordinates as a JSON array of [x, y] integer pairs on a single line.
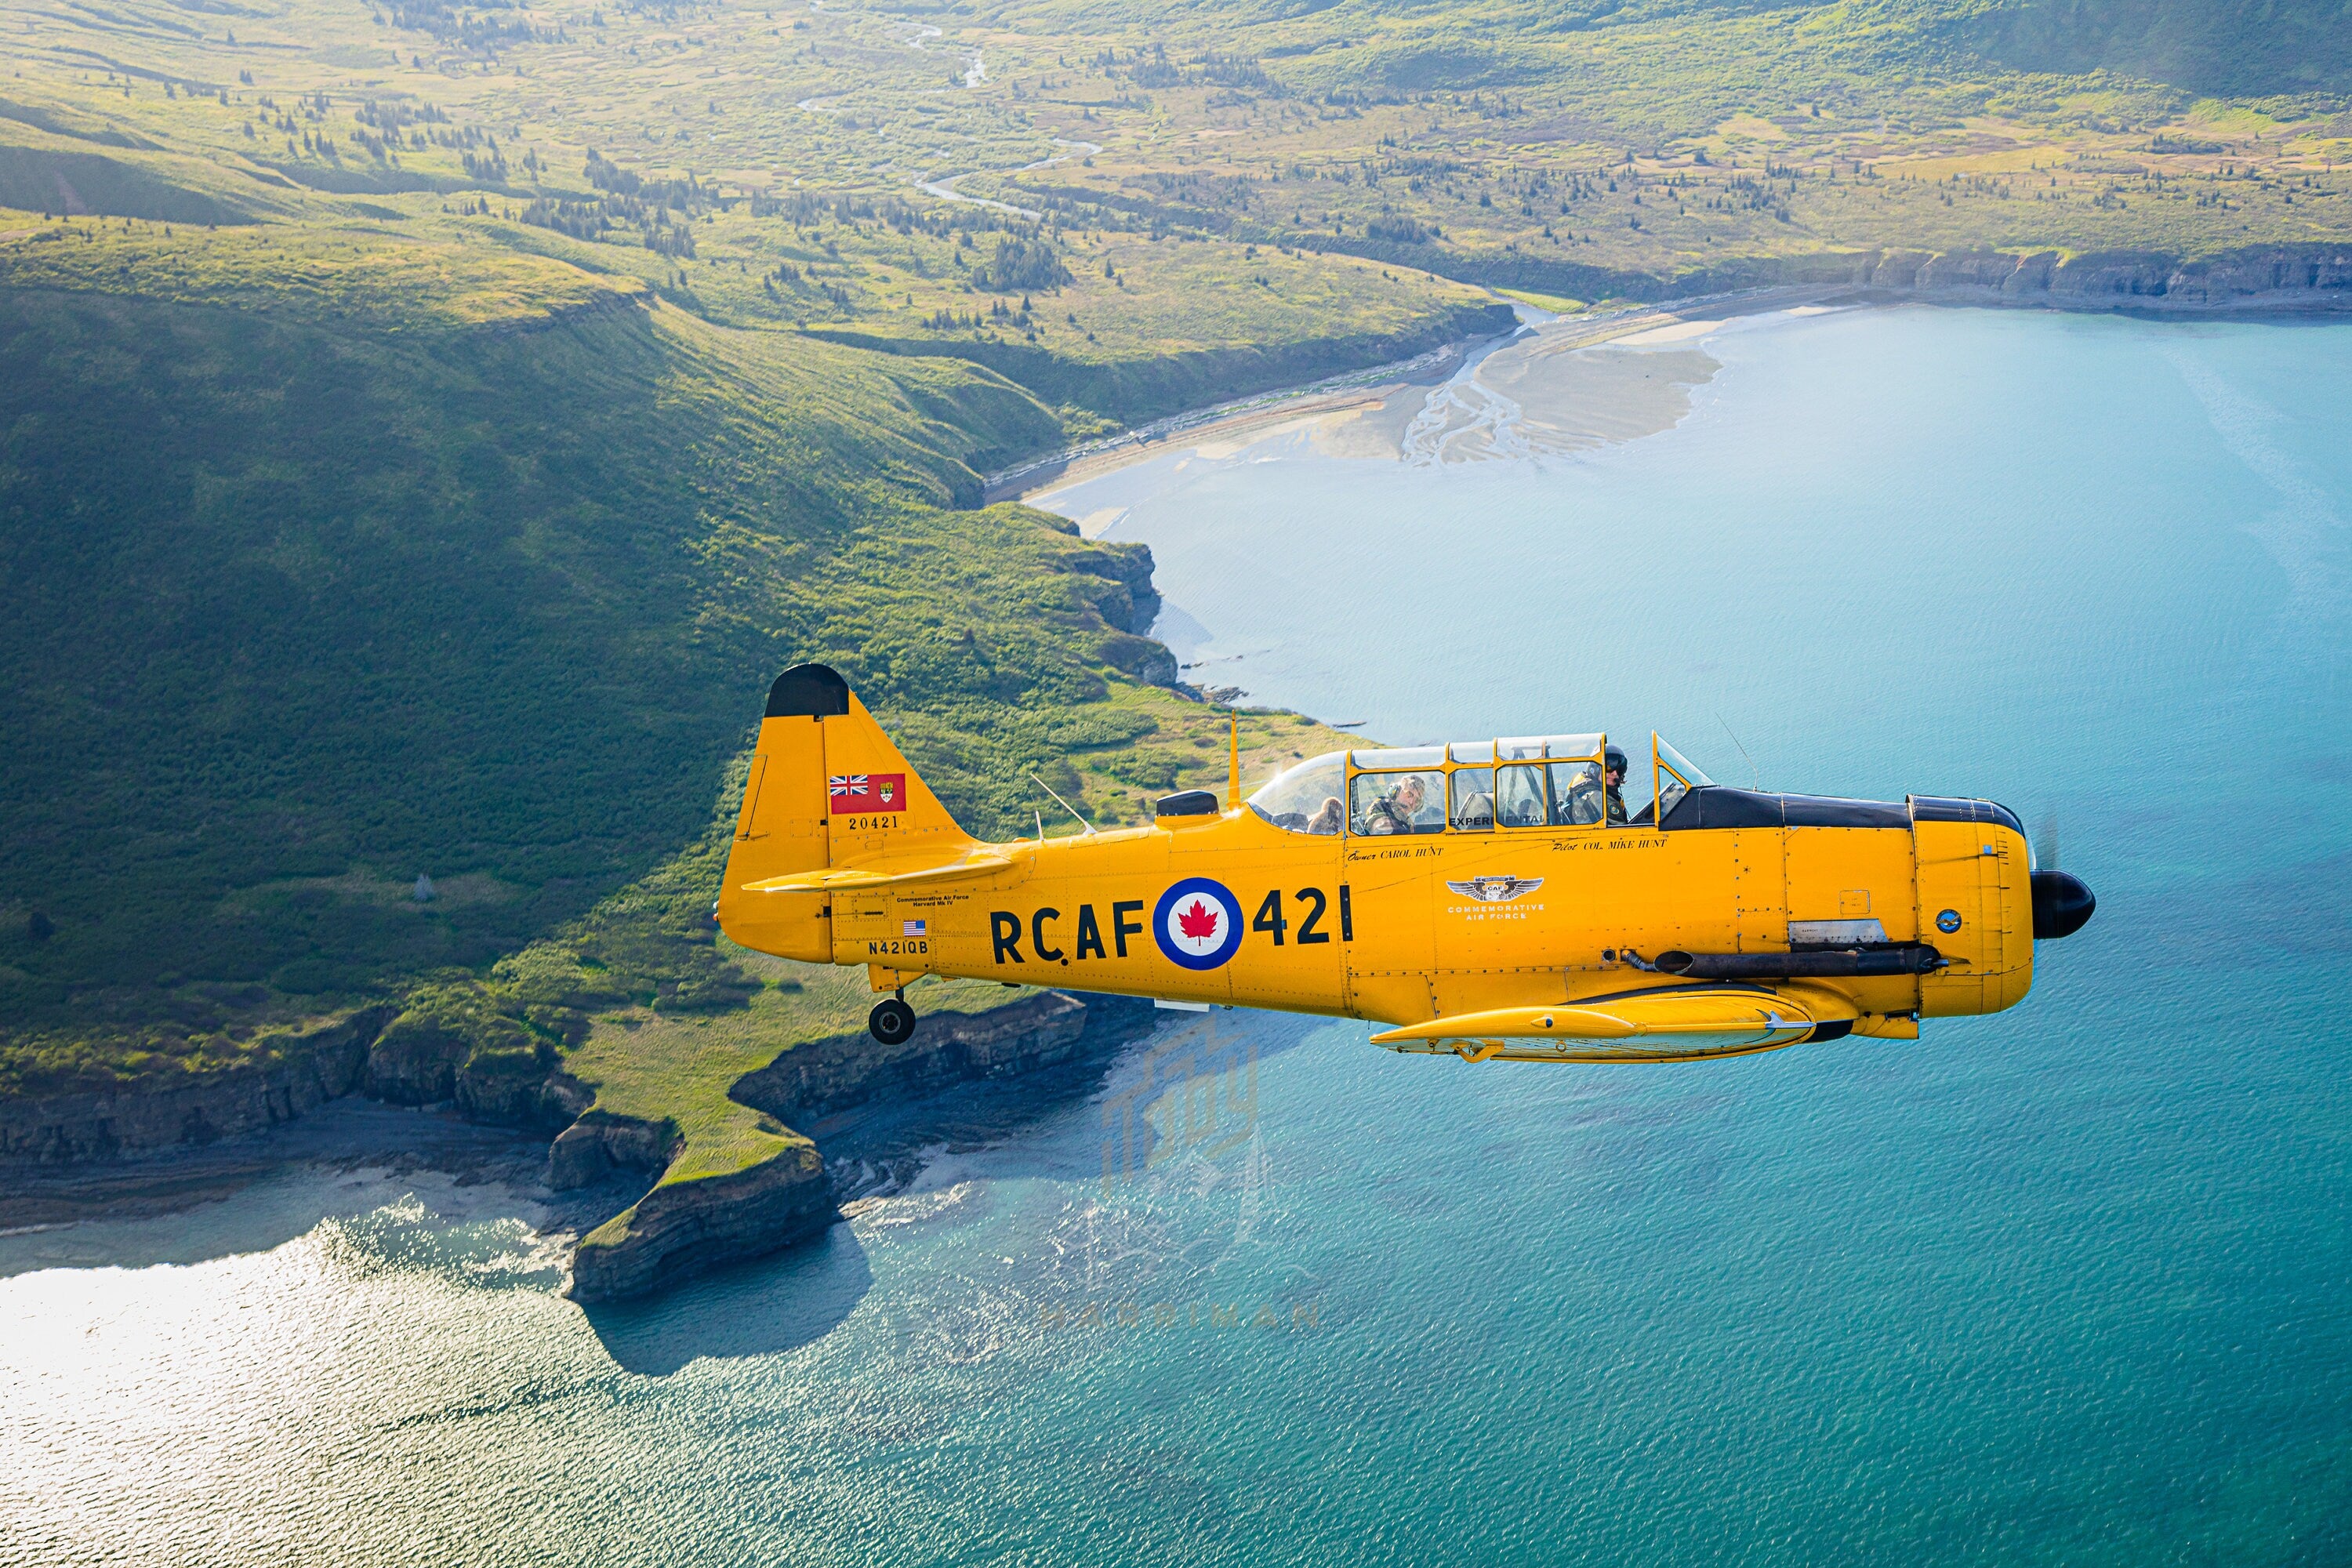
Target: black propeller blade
[[2061, 903]]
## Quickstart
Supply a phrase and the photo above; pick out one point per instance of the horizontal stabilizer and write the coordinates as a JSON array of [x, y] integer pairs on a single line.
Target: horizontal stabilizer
[[896, 871], [1673, 1024]]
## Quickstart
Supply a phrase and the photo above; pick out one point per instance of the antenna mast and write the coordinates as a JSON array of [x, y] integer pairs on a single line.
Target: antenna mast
[[1754, 772], [1233, 762], [1065, 805]]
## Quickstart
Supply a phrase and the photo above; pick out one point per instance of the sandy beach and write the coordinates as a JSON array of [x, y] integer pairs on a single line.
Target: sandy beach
[[1562, 384]]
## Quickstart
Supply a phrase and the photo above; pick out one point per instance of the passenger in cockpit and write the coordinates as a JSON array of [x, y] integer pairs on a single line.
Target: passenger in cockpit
[[1394, 812], [1327, 817]]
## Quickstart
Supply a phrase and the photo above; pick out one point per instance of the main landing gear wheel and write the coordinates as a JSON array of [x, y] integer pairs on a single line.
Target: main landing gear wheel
[[892, 1022]]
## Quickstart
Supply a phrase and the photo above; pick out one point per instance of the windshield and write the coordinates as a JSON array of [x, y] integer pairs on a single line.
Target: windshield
[[1676, 777], [1304, 798]]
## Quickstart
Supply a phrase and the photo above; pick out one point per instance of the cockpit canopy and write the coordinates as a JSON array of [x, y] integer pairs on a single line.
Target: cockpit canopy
[[1305, 797], [1470, 787]]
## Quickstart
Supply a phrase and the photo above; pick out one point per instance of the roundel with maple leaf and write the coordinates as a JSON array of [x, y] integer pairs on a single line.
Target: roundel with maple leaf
[[1198, 924]]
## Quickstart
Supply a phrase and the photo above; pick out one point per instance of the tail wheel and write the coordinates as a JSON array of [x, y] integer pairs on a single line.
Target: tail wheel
[[892, 1022]]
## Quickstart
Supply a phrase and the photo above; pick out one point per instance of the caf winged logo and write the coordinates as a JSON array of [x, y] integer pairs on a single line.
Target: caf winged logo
[[1495, 889]]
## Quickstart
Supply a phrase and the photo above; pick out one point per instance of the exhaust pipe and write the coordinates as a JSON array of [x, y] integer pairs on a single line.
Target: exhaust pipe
[[1905, 958]]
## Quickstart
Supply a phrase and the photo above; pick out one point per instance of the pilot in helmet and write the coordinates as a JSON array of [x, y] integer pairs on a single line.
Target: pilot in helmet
[[1612, 768]]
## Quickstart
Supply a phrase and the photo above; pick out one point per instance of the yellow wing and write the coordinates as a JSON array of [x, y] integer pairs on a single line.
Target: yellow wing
[[1675, 1024]]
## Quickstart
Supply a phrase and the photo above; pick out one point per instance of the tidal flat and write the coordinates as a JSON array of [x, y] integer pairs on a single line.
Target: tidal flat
[[1551, 386]]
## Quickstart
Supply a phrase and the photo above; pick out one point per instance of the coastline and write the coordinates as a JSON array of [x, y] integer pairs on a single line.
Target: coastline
[[1108, 452], [1220, 421], [1230, 426], [1996, 282], [819, 1092], [602, 1184]]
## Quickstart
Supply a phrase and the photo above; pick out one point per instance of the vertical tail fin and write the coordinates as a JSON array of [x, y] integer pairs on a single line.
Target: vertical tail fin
[[826, 788]]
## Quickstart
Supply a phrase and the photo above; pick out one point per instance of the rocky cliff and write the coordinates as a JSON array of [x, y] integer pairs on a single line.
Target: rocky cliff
[[381, 1052], [2277, 277], [2267, 277], [599, 1142], [680, 1228], [814, 1080], [2270, 276], [284, 1076]]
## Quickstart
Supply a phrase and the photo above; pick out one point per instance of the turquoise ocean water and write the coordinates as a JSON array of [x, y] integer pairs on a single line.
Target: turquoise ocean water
[[2066, 1285]]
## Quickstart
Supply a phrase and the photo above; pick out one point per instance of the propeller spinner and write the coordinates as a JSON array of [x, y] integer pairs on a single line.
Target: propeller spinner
[[2062, 902]]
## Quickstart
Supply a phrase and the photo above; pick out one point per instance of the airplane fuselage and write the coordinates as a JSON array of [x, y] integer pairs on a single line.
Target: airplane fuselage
[[1376, 928], [1488, 897]]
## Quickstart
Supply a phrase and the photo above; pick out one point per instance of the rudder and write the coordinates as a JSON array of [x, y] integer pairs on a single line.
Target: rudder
[[826, 787]]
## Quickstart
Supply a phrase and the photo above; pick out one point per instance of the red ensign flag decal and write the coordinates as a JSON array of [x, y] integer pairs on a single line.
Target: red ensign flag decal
[[867, 792]]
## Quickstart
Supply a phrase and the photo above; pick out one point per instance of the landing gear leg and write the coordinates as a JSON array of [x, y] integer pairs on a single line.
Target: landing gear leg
[[892, 1022]]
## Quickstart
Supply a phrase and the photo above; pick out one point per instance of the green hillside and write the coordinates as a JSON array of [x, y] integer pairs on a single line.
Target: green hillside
[[424, 430], [2205, 47], [2218, 48], [1646, 150], [302, 612], [299, 614], [387, 499]]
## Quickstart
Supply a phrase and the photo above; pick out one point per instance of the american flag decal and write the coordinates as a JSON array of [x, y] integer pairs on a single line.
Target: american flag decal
[[914, 928], [867, 793]]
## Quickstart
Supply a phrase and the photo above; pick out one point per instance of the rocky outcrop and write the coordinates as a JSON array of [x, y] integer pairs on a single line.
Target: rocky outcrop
[[813, 1080], [1141, 657], [2262, 276], [600, 1143], [508, 1089], [2276, 276], [484, 1064], [414, 1066], [681, 1228], [2280, 277], [284, 1076], [1134, 603]]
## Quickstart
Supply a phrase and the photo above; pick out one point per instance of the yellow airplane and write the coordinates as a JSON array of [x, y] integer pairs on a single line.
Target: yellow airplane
[[1490, 898]]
